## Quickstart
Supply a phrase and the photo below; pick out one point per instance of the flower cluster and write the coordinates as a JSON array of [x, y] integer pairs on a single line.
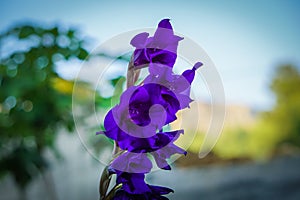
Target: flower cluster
[[137, 123]]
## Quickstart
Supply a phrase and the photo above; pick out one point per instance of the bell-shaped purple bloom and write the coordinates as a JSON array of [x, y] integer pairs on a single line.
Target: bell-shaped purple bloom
[[142, 112], [148, 95], [176, 84], [132, 163], [132, 183], [135, 187], [155, 194], [131, 143], [161, 146], [161, 48]]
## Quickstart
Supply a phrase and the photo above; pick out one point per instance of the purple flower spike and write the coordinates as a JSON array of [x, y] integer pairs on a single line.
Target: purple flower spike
[[136, 124]]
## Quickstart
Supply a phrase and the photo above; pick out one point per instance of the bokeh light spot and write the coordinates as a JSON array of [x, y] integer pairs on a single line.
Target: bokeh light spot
[[10, 102], [48, 40], [63, 41], [42, 62], [27, 106]]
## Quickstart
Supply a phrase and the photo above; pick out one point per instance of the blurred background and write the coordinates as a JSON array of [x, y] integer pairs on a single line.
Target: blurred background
[[255, 46]]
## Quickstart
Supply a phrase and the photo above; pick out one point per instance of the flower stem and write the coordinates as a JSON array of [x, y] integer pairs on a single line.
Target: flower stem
[[132, 73], [110, 195], [116, 149]]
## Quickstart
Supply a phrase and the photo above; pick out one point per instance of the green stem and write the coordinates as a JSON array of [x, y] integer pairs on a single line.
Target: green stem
[[110, 195]]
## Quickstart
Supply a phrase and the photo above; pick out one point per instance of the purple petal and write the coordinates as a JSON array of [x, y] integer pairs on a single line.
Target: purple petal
[[161, 161], [190, 74], [112, 130], [162, 73], [139, 41], [143, 145], [197, 65], [141, 58], [161, 155], [184, 100], [121, 194], [160, 190], [164, 57], [165, 23], [132, 162], [132, 183]]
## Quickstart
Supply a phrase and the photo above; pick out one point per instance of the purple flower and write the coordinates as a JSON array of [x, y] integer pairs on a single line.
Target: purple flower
[[135, 187], [161, 48], [132, 163], [177, 84], [148, 95], [161, 146], [155, 194], [138, 113]]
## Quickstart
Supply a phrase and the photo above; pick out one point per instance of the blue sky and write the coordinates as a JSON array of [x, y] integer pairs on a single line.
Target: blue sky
[[245, 39]]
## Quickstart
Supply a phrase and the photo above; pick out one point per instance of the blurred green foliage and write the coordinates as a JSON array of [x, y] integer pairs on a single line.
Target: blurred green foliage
[[35, 102], [286, 114]]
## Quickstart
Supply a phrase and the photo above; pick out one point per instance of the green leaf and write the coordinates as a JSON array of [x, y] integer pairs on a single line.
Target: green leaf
[[83, 54]]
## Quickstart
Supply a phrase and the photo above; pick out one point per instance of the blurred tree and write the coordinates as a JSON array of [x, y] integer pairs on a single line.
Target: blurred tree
[[274, 128], [34, 100], [285, 115], [279, 127]]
